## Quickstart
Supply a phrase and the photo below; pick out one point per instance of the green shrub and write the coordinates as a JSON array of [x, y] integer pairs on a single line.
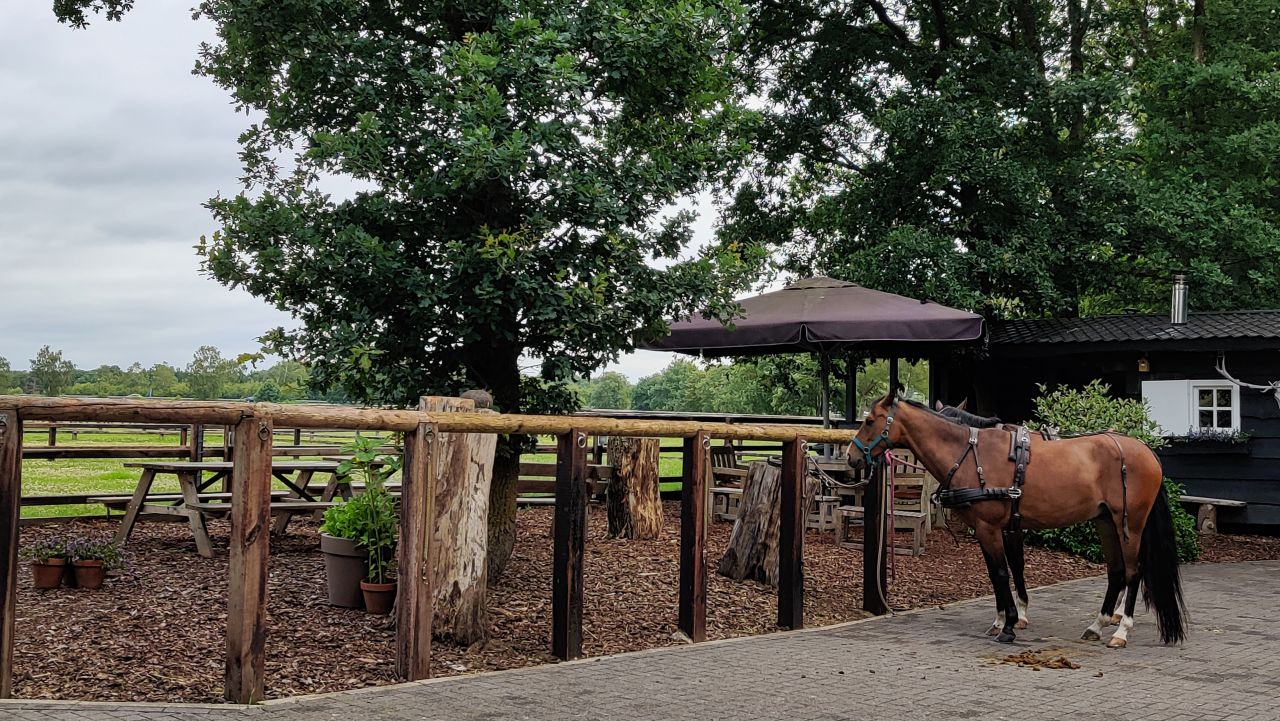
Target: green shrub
[[1074, 411]]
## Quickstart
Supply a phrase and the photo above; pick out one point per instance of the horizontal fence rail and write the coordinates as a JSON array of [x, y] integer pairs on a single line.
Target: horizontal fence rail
[[255, 427], [230, 414]]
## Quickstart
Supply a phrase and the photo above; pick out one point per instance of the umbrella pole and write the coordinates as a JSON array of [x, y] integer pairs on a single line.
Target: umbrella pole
[[824, 361]]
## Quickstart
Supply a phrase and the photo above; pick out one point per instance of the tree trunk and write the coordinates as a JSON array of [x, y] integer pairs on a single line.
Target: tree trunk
[[634, 503], [753, 547], [1197, 31], [464, 467], [494, 367], [502, 505]]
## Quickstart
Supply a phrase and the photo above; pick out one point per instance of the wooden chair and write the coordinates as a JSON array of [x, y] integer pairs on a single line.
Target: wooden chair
[[725, 467], [725, 502], [912, 511]]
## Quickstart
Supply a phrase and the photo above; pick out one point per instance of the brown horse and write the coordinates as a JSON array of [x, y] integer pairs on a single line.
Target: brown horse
[[1109, 478]]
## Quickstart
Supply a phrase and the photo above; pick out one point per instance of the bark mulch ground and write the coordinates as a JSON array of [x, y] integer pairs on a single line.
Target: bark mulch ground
[[157, 633]]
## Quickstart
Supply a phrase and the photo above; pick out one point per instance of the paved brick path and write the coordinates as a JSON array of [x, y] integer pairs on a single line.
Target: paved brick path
[[930, 664]]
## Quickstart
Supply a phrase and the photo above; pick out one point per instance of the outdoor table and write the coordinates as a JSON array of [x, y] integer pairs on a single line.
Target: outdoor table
[[295, 475]]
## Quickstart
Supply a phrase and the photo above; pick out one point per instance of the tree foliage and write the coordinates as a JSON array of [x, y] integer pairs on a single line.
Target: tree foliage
[[514, 155], [768, 385], [209, 373], [52, 373], [1019, 157]]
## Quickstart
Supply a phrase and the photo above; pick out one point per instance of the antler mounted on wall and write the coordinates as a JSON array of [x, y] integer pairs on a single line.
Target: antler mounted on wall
[[1273, 388]]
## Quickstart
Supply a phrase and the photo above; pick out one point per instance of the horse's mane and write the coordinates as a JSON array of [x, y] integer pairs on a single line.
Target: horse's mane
[[970, 419]]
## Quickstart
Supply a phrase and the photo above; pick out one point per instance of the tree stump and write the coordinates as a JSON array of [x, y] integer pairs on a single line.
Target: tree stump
[[633, 500], [753, 545], [464, 471]]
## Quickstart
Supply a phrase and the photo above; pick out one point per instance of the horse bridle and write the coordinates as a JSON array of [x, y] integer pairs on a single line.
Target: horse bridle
[[882, 438]]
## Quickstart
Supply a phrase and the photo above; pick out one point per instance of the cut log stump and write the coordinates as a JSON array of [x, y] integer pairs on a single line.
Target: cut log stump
[[753, 546], [464, 471], [634, 501]]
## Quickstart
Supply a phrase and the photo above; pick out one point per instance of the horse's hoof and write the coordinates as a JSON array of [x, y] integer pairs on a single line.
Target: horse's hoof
[[1117, 643], [1005, 637], [1021, 624], [1090, 635], [993, 630], [1115, 619]]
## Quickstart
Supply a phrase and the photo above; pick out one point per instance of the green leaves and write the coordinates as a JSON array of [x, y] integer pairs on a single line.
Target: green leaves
[[510, 159]]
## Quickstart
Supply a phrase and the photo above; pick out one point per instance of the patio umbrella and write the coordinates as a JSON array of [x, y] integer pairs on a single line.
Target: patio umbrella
[[823, 315]]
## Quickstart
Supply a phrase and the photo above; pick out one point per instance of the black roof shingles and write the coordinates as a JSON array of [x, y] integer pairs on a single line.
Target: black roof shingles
[[1248, 324]]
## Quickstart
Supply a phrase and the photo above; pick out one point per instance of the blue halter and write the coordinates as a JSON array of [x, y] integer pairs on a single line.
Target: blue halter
[[882, 438]]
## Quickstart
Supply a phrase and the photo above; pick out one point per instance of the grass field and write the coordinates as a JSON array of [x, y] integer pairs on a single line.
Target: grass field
[[109, 476]]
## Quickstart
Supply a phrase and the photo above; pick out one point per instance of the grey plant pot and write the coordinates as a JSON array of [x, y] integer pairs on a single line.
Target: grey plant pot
[[344, 568]]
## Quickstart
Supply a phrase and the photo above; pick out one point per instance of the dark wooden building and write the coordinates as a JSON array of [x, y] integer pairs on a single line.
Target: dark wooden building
[[1171, 365]]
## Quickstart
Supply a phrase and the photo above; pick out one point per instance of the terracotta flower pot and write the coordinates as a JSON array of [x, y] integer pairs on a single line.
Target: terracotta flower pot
[[48, 574], [344, 564], [378, 597], [89, 574]]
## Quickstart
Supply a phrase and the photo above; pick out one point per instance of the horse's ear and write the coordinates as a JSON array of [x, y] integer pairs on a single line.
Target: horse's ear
[[937, 406], [962, 405]]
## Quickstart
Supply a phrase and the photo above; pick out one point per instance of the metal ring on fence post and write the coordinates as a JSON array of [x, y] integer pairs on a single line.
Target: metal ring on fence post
[[264, 431], [582, 439], [706, 443]]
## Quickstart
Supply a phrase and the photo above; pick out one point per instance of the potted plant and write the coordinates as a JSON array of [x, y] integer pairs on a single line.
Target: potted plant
[[48, 562], [346, 524], [92, 559], [378, 539]]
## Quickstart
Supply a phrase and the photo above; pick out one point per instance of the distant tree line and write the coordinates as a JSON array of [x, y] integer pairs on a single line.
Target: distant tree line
[[776, 385], [209, 375]]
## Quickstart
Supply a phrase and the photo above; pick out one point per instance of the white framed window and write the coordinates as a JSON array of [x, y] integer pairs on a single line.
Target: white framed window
[[1182, 406], [1215, 405]]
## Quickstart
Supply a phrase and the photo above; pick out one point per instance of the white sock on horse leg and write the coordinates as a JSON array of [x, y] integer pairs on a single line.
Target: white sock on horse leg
[[1102, 621], [1116, 610], [1021, 605], [1121, 636]]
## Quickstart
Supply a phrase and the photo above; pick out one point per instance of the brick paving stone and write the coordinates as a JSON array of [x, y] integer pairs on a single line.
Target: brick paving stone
[[934, 663]]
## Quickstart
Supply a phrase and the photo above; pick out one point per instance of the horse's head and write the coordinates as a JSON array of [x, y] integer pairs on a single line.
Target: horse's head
[[958, 414], [877, 433]]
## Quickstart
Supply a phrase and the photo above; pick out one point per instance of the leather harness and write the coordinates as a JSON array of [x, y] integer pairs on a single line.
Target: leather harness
[[1019, 455]]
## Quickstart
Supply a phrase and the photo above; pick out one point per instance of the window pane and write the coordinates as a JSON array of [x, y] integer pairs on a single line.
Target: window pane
[[1206, 419], [1224, 419], [1224, 398], [1206, 397]]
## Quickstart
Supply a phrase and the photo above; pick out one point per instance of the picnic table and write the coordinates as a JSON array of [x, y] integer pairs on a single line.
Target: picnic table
[[196, 503]]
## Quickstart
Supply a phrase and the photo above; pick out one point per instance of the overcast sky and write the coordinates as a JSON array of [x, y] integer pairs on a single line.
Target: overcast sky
[[108, 147]]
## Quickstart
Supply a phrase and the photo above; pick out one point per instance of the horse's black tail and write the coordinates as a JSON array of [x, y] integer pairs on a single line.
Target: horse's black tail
[[1161, 585]]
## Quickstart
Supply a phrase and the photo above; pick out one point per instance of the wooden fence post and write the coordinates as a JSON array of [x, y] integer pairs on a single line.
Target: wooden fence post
[[10, 497], [414, 604], [791, 535], [247, 569], [570, 540], [693, 538], [197, 442], [874, 546]]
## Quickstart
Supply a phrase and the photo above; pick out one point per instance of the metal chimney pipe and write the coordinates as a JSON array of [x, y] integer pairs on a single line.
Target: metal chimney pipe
[[1178, 308]]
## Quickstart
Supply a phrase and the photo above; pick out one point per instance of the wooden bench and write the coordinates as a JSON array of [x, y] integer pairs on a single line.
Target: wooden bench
[[121, 502], [725, 503], [822, 513], [1207, 513], [914, 521]]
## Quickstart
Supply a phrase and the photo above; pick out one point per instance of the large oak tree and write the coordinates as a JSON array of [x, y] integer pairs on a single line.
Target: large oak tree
[[515, 162]]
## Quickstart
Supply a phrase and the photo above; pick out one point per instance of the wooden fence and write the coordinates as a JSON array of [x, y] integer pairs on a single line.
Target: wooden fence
[[254, 427]]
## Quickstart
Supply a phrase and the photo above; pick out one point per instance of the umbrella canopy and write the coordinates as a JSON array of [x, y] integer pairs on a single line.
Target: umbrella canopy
[[820, 315]]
